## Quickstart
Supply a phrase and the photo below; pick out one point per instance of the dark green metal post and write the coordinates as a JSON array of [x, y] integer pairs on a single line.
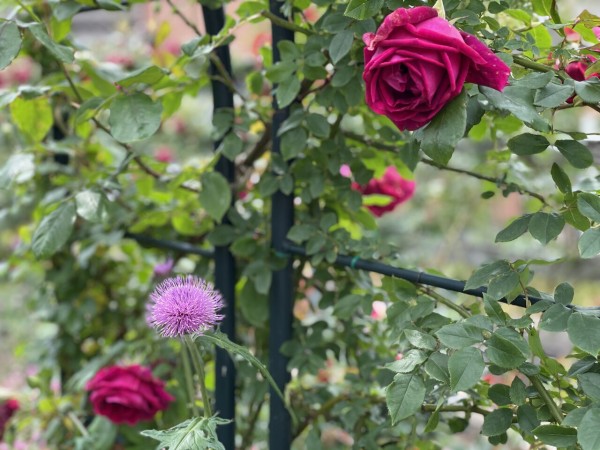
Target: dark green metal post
[[282, 288], [225, 277]]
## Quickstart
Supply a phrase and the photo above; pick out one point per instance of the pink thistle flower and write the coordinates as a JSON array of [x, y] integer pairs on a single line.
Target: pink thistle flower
[[184, 305]]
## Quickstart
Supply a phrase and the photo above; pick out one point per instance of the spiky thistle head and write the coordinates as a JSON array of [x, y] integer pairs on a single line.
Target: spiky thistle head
[[184, 305]]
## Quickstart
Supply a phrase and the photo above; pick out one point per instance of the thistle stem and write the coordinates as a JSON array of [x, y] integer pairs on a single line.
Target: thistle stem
[[197, 362], [189, 380]]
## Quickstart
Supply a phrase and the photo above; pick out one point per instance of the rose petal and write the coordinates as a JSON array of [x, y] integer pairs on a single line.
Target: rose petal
[[493, 73]]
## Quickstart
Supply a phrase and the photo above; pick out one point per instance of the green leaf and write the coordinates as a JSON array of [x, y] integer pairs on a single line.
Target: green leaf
[[287, 91], [10, 42], [408, 363], [482, 275], [54, 231], [497, 422], [63, 53], [405, 396], [19, 168], [516, 228], [576, 153], [231, 146], [148, 75], [555, 318], [445, 130], [561, 179], [363, 9], [589, 205], [420, 340], [494, 310], [90, 206], [590, 384], [293, 142], [347, 306], [437, 367], [301, 232], [32, 117], [573, 419], [588, 432], [503, 284], [518, 101], [340, 45], [588, 90], [134, 117], [199, 432], [589, 243], [318, 125], [518, 392], [528, 144], [584, 332], [556, 435], [553, 94], [545, 227], [507, 348], [564, 293], [459, 335], [527, 417], [215, 195], [466, 368]]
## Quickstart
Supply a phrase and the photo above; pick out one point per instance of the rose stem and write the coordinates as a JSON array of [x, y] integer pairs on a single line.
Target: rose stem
[[189, 381], [197, 361]]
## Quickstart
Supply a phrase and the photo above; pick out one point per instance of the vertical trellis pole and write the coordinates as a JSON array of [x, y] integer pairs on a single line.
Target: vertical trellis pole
[[282, 288], [225, 276]]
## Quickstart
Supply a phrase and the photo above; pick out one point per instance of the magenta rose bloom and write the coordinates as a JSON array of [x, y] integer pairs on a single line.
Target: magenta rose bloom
[[417, 62], [391, 184], [7, 410], [127, 394], [576, 70]]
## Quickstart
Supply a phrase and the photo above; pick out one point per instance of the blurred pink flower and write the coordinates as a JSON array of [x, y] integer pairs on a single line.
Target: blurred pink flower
[[596, 31], [379, 311], [392, 185], [7, 410], [164, 154], [122, 60], [571, 35], [165, 268]]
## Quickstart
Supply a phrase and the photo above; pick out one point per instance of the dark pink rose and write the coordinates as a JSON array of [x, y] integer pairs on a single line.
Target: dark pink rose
[[417, 62], [127, 394], [576, 70], [391, 184], [7, 410]]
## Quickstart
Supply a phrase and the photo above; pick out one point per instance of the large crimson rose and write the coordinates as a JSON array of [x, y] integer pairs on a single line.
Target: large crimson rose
[[417, 62], [127, 394]]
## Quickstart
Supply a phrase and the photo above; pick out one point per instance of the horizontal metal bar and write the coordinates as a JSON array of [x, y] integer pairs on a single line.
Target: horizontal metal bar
[[413, 276], [177, 246]]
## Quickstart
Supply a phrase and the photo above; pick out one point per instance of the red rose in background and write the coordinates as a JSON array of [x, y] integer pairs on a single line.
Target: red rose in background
[[417, 62], [576, 70], [391, 184], [7, 410], [127, 394]]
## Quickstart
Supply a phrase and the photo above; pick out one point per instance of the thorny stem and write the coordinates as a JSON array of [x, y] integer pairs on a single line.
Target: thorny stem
[[430, 162], [282, 23], [545, 395], [444, 301], [189, 380], [73, 417], [198, 366], [538, 67]]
